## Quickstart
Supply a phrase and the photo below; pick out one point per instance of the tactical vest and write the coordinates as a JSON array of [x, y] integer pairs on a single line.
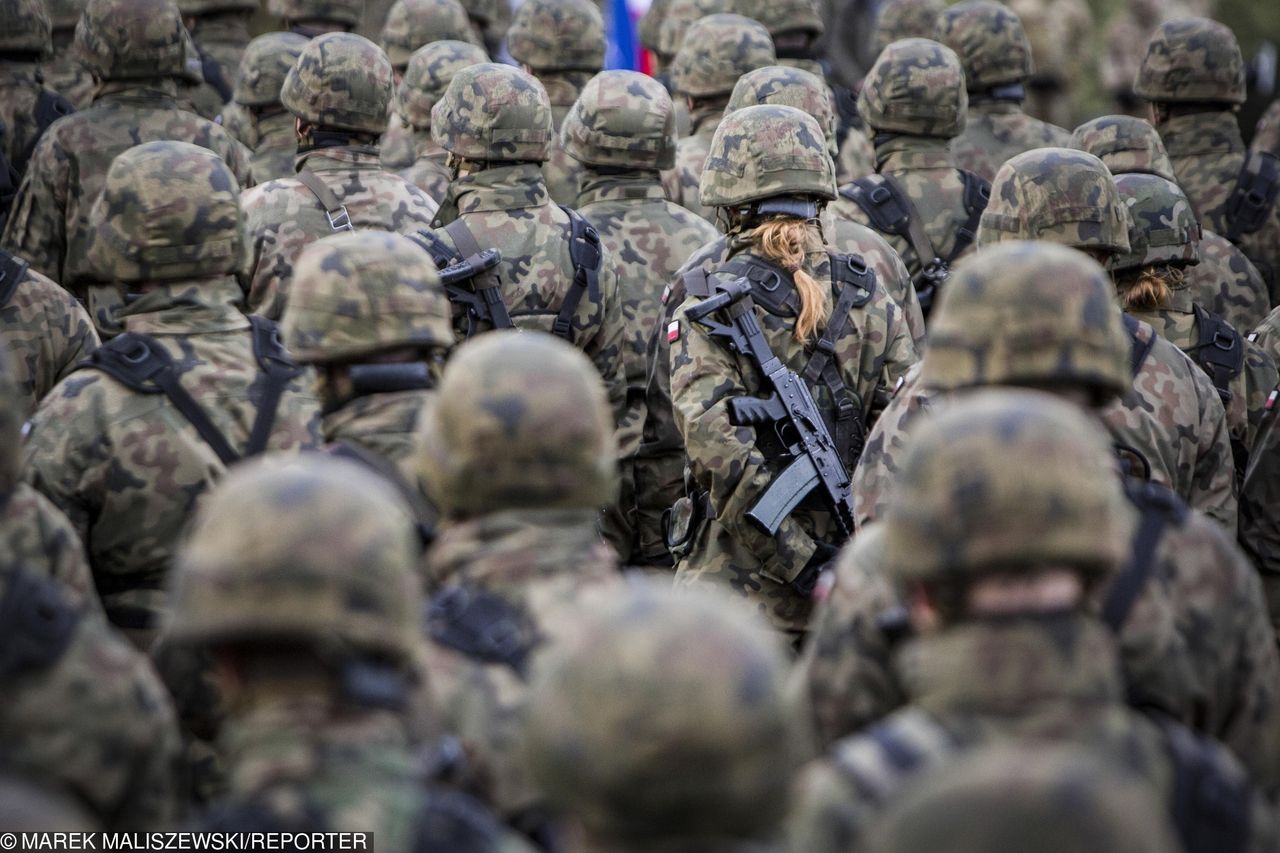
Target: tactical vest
[[1254, 195]]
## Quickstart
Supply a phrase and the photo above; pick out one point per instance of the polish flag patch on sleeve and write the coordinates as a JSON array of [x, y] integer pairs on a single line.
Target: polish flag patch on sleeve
[[673, 331]]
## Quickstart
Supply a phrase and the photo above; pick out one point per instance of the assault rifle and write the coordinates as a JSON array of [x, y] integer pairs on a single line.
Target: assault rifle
[[788, 416], [483, 301]]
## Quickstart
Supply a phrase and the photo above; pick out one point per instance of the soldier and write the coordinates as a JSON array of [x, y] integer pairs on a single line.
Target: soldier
[[993, 47], [138, 50], [914, 101], [715, 52], [1062, 42], [298, 579], [256, 117], [425, 80], [712, 741], [622, 131], [519, 456], [193, 388], [800, 294], [561, 43], [490, 19], [1225, 281], [908, 19], [313, 18], [677, 17], [1193, 75], [339, 184], [1006, 517], [220, 31], [62, 70], [1130, 25], [495, 122]]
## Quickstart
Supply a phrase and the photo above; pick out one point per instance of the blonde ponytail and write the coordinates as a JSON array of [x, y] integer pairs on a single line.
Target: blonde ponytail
[[1148, 288], [786, 242]]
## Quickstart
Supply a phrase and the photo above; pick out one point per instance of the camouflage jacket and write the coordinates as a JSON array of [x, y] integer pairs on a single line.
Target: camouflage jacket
[[873, 352], [507, 208], [221, 40], [385, 425], [275, 148], [20, 86], [539, 562], [681, 181], [649, 239], [1227, 283], [48, 333], [994, 131], [857, 157], [1049, 679], [284, 216], [562, 172], [1260, 513], [64, 73], [395, 146], [1266, 136], [127, 468], [428, 170], [98, 723], [1207, 153], [36, 537], [49, 224]]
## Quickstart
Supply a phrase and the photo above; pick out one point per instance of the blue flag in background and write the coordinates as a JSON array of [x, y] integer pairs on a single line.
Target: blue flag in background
[[621, 37]]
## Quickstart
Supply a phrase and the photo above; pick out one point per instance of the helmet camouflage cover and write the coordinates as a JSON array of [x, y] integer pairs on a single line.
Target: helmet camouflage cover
[[364, 292], [520, 422], [788, 87], [344, 12], [168, 210], [1055, 194], [25, 27], [1192, 59], [1004, 481], [1124, 144], [906, 19], [1028, 313], [558, 35], [265, 64], [414, 23], [698, 684], [679, 16], [763, 152], [1162, 226], [135, 39], [716, 51], [340, 81], [427, 76], [990, 42], [493, 112], [622, 119], [782, 16], [915, 87], [311, 549]]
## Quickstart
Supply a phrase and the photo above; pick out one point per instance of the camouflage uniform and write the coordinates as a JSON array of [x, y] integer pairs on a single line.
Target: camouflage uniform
[[220, 31], [622, 131], [1266, 136], [1063, 43], [304, 570], [498, 113], [1225, 281], [677, 17], [286, 215], [260, 121], [490, 19], [1005, 672], [424, 83], [871, 351], [63, 71], [560, 42], [695, 674], [137, 48], [993, 47], [518, 454], [1128, 27], [128, 467], [316, 17], [715, 52], [908, 19], [1194, 75]]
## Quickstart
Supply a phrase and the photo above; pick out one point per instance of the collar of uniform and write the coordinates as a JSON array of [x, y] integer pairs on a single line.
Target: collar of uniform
[[156, 89], [904, 153], [563, 87], [992, 106], [502, 188], [1012, 665], [201, 306], [340, 158], [374, 414], [1202, 133], [704, 121], [637, 185], [274, 127]]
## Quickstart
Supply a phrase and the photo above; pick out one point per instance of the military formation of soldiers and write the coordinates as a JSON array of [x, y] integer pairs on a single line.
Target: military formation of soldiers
[[447, 438]]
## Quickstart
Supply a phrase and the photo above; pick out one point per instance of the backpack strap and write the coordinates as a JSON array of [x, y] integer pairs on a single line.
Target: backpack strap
[[891, 211], [279, 369], [465, 242], [12, 270], [1211, 798], [339, 219], [1254, 196], [1219, 351], [586, 255], [423, 513], [1140, 349], [483, 626], [1160, 509], [977, 192], [36, 623]]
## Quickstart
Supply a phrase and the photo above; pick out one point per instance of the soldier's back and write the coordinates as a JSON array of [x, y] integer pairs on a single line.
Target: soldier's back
[[275, 149], [1227, 283], [995, 131]]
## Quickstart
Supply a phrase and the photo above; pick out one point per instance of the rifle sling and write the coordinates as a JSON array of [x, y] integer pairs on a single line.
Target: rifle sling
[[339, 219]]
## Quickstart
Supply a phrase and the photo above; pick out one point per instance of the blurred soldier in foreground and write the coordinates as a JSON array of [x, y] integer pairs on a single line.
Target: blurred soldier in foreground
[[256, 117]]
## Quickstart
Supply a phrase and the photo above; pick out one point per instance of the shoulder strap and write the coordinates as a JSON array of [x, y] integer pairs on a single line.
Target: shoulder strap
[[1140, 349], [424, 515], [977, 192], [1254, 196], [483, 626], [36, 623], [442, 254], [339, 219], [1159, 509], [696, 283], [586, 255], [1219, 351], [278, 369], [12, 270], [487, 282], [1211, 799]]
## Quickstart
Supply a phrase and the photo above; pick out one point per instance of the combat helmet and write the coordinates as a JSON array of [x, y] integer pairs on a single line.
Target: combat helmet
[[716, 51], [991, 43], [168, 210], [679, 16], [493, 112], [1192, 59], [766, 152], [346, 13], [1030, 314], [341, 81], [697, 684], [427, 76], [789, 87], [906, 19], [622, 119], [25, 28], [1124, 144], [265, 64], [782, 17], [135, 39], [364, 292], [915, 87], [491, 20], [520, 422], [1004, 481], [312, 549], [412, 24], [1056, 194], [557, 35], [1163, 230]]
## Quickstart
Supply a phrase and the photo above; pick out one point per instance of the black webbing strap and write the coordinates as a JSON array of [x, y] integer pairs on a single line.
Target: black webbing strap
[[977, 192], [1219, 351], [1254, 196], [339, 219], [424, 515], [278, 369], [213, 75], [1139, 349], [586, 256], [36, 623], [465, 242], [891, 212], [483, 626], [12, 269], [1159, 509]]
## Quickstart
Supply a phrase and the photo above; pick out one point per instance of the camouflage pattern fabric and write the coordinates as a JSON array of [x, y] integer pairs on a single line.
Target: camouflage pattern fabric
[[344, 14], [491, 20], [681, 181], [47, 333], [1266, 136], [1128, 27], [905, 19], [1189, 60], [562, 173], [26, 40], [63, 71], [359, 104], [1063, 43], [996, 131], [412, 24], [494, 112], [255, 115], [221, 40], [1125, 144]]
